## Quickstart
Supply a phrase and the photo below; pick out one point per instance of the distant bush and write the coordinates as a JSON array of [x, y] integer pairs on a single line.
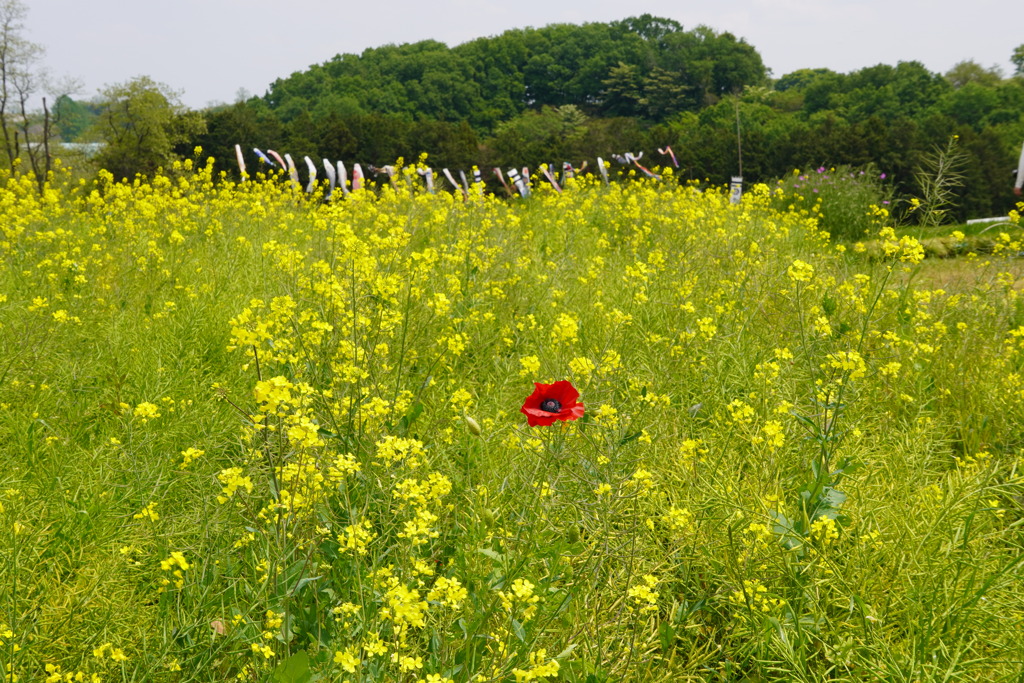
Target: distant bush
[[850, 203]]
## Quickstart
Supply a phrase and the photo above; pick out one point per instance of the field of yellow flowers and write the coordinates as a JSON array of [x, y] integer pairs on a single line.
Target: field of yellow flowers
[[249, 437]]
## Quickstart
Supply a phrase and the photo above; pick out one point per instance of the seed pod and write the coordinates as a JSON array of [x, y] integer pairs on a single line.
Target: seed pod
[[474, 426]]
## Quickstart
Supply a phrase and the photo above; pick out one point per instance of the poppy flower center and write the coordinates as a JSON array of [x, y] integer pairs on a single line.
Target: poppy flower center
[[551, 405]]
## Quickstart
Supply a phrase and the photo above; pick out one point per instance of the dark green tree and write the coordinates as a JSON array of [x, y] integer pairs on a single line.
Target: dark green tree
[[801, 79], [970, 104], [489, 80], [551, 135], [623, 92]]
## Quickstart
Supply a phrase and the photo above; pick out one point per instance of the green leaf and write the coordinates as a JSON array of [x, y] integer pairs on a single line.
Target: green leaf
[[805, 421], [789, 535], [816, 470], [828, 304], [631, 437], [409, 418], [303, 583], [518, 630], [666, 635], [496, 556], [566, 652], [295, 669], [848, 466], [294, 572], [832, 498]]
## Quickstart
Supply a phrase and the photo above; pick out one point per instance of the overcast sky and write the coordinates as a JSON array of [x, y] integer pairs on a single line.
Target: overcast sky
[[210, 49]]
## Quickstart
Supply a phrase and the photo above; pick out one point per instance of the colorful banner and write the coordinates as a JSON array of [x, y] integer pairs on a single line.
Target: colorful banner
[[636, 162], [428, 178], [567, 172], [455, 184], [501, 179], [343, 178], [331, 178], [278, 159], [551, 179], [292, 171], [1018, 185], [264, 158], [241, 162], [668, 151], [312, 175], [517, 180]]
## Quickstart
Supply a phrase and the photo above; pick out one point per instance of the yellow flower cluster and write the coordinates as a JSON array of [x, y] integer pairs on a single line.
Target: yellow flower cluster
[[232, 479], [146, 412], [520, 598], [190, 455], [148, 513], [643, 595], [825, 531], [755, 596], [177, 565], [540, 667], [800, 271], [55, 675]]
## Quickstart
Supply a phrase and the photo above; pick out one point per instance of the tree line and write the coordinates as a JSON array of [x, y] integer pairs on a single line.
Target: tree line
[[574, 92]]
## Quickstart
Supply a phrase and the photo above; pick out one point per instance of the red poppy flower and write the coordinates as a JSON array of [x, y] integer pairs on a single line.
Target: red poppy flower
[[550, 403]]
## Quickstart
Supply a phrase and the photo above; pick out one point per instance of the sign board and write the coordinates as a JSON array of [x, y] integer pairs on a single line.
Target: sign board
[[735, 189]]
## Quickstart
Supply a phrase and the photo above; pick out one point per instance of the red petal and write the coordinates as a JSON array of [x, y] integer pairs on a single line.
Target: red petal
[[562, 391]]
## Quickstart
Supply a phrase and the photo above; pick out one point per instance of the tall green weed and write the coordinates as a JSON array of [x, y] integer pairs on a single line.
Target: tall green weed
[[850, 204]]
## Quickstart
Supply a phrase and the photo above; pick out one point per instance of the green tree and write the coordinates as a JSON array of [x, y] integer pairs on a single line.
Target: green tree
[[644, 66], [970, 104], [649, 27], [801, 78], [551, 135], [969, 71], [141, 123], [709, 65], [496, 66], [1018, 60], [624, 90], [72, 117]]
